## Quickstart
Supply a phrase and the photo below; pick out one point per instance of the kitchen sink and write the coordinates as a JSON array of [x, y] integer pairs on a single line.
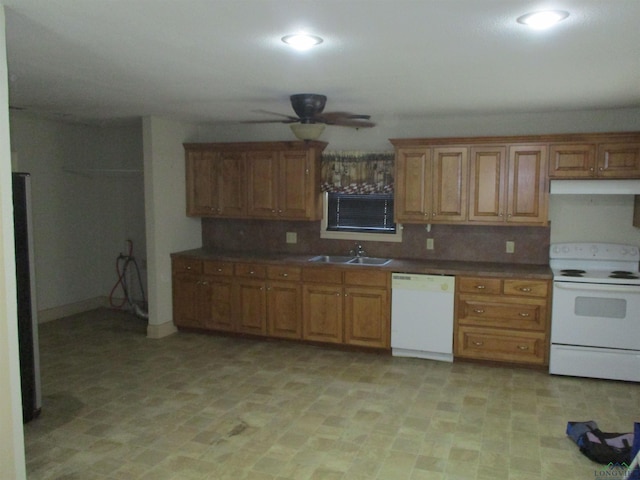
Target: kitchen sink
[[349, 260], [369, 261], [331, 259]]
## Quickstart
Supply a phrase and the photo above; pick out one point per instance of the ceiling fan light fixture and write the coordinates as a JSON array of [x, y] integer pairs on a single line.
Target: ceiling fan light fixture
[[542, 19], [302, 41], [307, 131]]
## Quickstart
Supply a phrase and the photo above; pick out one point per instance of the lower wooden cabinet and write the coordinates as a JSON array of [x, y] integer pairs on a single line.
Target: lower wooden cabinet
[[320, 304], [502, 319]]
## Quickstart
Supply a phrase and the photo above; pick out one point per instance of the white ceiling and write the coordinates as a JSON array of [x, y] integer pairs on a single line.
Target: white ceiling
[[221, 60]]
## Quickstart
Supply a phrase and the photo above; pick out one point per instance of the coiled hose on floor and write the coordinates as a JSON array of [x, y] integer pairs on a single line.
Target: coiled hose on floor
[[123, 263]]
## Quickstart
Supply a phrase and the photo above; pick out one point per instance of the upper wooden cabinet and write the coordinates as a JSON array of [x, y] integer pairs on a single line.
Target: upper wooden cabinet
[[596, 156], [215, 183], [431, 184], [279, 180]]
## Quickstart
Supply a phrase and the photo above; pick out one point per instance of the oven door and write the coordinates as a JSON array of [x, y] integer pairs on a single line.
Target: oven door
[[596, 315]]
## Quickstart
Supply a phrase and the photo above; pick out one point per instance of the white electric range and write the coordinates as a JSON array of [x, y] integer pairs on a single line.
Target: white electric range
[[595, 318]]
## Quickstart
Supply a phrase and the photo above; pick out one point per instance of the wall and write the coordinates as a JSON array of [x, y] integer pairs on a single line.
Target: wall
[[12, 460], [168, 229], [88, 199]]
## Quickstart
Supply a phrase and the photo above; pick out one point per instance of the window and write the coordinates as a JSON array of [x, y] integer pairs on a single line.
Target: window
[[360, 217]]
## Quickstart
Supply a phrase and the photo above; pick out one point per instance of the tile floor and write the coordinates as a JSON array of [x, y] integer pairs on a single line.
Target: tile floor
[[117, 405]]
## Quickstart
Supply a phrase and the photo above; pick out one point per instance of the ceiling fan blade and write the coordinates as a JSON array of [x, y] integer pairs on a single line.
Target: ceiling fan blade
[[349, 115], [289, 117], [269, 121], [347, 122]]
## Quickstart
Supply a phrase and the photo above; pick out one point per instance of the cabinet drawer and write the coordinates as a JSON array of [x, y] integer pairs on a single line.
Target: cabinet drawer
[[250, 270], [187, 265], [480, 285], [375, 278], [284, 272], [218, 268], [502, 312], [508, 346], [532, 288], [322, 275]]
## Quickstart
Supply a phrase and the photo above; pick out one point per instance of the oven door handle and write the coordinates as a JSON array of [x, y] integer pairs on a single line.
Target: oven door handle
[[600, 287]]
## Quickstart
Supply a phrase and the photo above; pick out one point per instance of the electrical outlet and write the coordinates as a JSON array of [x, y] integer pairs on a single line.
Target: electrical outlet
[[511, 246], [292, 237], [429, 243]]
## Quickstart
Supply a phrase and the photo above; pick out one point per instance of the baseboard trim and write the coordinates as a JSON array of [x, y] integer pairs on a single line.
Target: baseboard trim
[[71, 309], [162, 330]]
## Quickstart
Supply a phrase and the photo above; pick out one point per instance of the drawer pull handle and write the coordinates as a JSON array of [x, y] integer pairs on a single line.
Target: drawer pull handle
[[525, 289], [478, 310], [480, 287], [188, 267], [478, 344], [252, 272], [219, 270], [285, 275], [523, 347], [524, 314]]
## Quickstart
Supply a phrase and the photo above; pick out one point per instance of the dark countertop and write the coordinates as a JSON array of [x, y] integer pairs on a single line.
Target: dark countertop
[[435, 267]]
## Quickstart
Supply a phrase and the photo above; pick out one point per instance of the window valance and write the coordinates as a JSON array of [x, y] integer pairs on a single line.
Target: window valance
[[357, 172]]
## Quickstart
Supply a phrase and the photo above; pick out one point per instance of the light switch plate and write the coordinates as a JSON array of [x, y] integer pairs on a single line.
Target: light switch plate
[[292, 237], [511, 246], [429, 243]]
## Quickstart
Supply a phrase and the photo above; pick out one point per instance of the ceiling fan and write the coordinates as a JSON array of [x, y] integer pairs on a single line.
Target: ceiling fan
[[311, 118]]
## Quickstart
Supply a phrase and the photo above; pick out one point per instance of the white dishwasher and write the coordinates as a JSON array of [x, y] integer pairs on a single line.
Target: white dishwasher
[[422, 316]]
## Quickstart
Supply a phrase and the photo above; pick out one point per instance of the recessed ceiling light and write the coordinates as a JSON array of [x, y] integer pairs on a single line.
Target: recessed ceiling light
[[302, 41], [543, 19]]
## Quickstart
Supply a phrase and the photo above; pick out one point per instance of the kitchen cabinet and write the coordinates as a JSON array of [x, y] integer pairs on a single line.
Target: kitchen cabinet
[[266, 180], [347, 306], [508, 185], [250, 298], [215, 183], [284, 301], [219, 278], [502, 319], [431, 184], [607, 159]]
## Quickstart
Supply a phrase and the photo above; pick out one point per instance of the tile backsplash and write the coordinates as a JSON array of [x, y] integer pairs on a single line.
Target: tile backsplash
[[451, 242]]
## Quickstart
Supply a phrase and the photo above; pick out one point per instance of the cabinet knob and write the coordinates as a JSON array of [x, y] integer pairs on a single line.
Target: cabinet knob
[[252, 272], [480, 287], [219, 270], [285, 275], [478, 344], [524, 314], [478, 310], [523, 347], [525, 289], [188, 267]]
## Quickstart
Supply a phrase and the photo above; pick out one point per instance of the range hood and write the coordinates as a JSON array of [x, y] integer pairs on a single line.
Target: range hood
[[595, 187]]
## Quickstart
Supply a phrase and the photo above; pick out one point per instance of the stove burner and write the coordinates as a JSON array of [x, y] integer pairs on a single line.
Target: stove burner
[[572, 273]]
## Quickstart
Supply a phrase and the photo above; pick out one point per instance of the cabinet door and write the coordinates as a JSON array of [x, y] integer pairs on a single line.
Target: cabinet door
[[262, 173], [295, 189], [191, 301], [322, 307], [367, 317], [527, 193], [284, 314], [201, 198], [487, 190], [413, 185], [572, 160], [230, 185], [450, 176], [251, 306], [220, 304], [619, 160]]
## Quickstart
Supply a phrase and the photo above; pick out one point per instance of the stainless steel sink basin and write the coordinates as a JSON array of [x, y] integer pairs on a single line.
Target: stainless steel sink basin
[[369, 261], [331, 259], [348, 260]]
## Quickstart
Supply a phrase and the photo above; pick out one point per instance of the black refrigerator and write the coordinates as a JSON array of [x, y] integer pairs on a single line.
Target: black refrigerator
[[27, 312]]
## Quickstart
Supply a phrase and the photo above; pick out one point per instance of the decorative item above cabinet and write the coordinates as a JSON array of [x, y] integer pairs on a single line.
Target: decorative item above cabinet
[[268, 180]]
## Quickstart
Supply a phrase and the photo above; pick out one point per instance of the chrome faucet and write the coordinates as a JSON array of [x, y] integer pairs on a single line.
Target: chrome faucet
[[358, 251]]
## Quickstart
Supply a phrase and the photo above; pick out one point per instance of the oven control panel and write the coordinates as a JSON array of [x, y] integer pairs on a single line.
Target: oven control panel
[[594, 251]]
